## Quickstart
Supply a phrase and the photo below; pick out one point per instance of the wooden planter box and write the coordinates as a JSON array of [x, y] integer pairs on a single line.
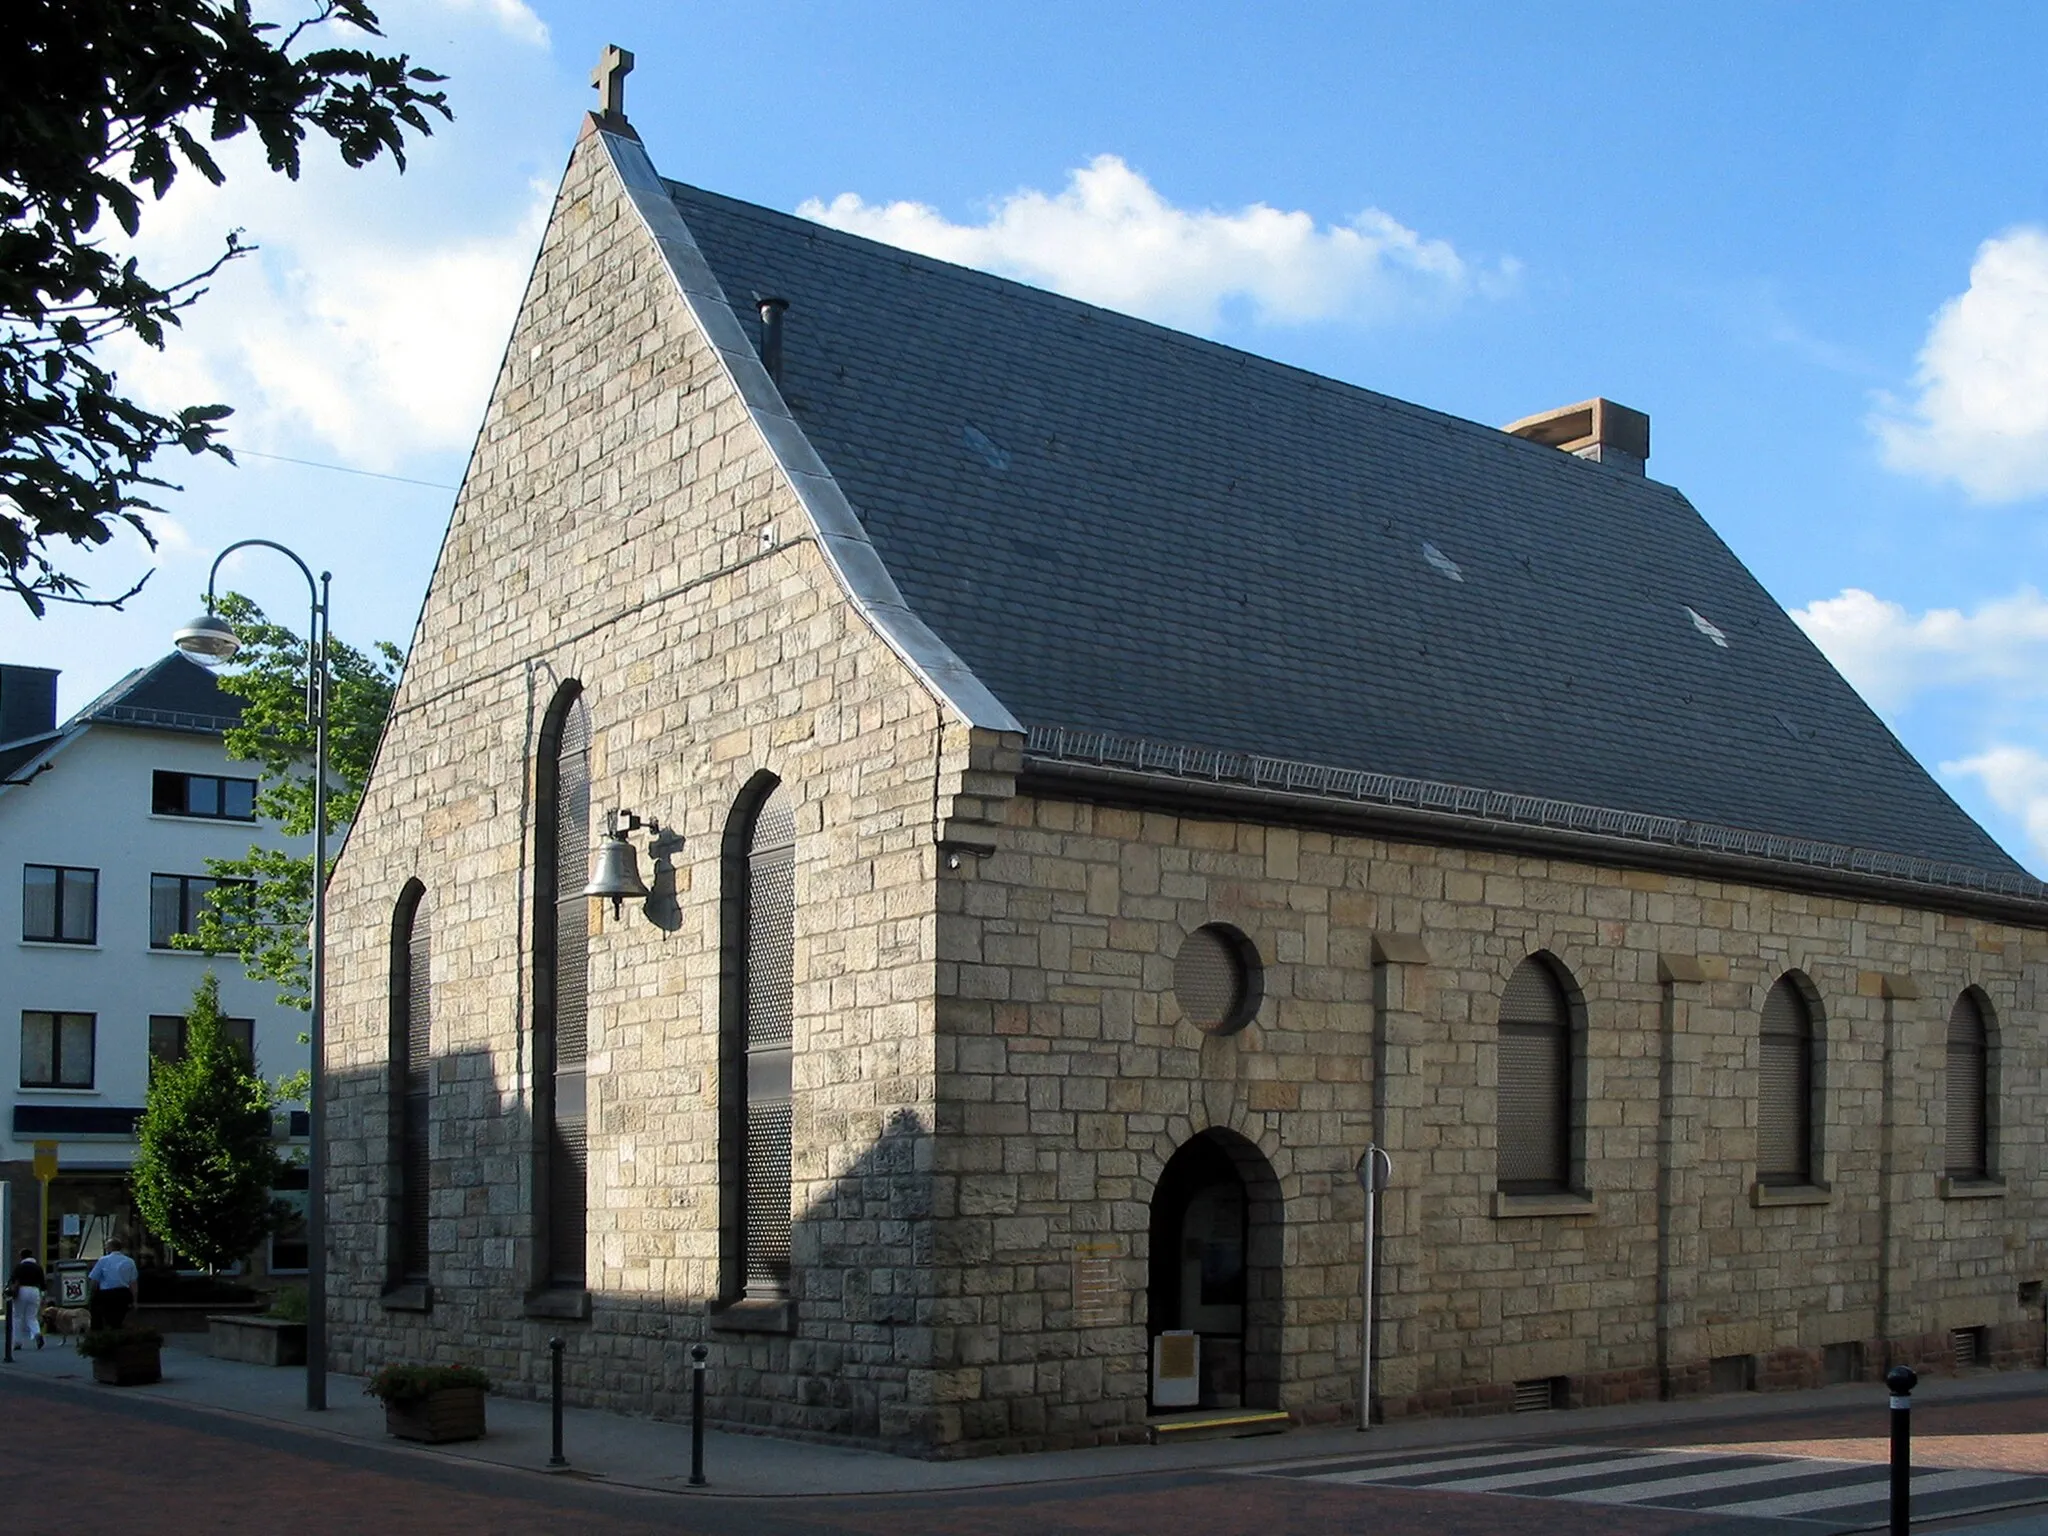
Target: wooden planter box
[[452, 1413], [256, 1340], [132, 1365]]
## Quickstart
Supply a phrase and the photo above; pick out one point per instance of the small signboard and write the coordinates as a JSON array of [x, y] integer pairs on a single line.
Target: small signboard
[[1098, 1299], [46, 1160]]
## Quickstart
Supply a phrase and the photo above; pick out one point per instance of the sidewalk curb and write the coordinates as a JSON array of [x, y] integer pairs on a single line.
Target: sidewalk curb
[[1330, 1443]]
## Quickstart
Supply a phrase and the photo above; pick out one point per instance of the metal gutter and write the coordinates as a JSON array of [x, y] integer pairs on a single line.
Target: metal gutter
[[1113, 784]]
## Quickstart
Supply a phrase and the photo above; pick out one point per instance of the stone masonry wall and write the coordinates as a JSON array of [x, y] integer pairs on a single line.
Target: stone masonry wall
[[622, 524], [1068, 1076]]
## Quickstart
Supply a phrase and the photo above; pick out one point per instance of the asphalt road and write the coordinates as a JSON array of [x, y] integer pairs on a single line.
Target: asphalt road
[[93, 1456]]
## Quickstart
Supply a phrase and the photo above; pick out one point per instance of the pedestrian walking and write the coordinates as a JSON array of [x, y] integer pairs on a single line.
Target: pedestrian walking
[[113, 1287], [27, 1285]]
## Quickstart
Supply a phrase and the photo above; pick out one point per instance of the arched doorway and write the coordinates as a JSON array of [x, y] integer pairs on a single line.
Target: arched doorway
[[1215, 1265]]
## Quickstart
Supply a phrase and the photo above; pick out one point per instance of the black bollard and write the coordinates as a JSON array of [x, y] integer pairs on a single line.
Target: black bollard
[[1902, 1379], [555, 1347], [698, 1353]]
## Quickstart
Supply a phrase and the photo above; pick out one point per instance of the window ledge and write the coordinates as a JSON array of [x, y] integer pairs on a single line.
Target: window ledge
[[1566, 1202], [75, 946], [64, 1093], [196, 954], [1971, 1189], [413, 1296], [754, 1315], [1763, 1195], [563, 1303]]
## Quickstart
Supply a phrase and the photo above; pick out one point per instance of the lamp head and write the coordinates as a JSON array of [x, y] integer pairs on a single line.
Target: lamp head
[[207, 639]]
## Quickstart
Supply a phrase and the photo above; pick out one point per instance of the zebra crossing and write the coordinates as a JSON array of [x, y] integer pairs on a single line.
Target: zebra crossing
[[1826, 1495]]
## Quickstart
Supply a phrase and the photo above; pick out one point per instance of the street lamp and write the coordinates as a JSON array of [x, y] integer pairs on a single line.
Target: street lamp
[[211, 640]]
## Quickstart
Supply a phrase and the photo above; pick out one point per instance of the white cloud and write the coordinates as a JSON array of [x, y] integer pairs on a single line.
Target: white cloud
[[1892, 655], [1111, 239], [1981, 417], [2016, 779], [513, 17], [368, 343]]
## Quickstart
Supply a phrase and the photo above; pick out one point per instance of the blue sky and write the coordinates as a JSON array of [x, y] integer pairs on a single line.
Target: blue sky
[[1810, 240]]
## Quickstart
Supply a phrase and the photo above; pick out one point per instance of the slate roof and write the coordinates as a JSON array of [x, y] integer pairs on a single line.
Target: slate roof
[[1142, 541], [173, 694]]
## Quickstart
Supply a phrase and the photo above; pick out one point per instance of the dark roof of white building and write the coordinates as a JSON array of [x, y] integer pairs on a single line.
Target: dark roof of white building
[[1175, 560]]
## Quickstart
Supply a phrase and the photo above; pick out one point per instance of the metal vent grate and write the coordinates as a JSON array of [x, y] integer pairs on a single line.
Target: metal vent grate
[[416, 1172], [771, 939], [568, 1196], [419, 1023], [1968, 1346], [768, 1197], [1542, 1395], [1213, 979]]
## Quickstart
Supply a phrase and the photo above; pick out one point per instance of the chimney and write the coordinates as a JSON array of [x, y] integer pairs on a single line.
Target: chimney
[[28, 702], [1598, 430], [771, 336]]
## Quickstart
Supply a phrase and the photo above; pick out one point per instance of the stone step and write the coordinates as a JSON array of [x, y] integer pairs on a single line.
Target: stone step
[[1216, 1424]]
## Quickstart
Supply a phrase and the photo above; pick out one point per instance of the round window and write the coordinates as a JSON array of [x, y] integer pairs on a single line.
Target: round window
[[1216, 979]]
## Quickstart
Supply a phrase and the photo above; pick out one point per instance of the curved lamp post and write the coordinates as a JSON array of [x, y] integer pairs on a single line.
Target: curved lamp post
[[210, 639]]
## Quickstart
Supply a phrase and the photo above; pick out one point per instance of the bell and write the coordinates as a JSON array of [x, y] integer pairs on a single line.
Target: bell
[[616, 873]]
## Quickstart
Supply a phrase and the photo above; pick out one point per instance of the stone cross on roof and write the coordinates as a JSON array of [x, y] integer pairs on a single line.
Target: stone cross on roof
[[610, 79]]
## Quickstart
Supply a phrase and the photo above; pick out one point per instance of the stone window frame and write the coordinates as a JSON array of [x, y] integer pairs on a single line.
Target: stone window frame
[[411, 1085], [555, 1290], [1985, 1178], [1808, 1184], [746, 1300], [1569, 1195]]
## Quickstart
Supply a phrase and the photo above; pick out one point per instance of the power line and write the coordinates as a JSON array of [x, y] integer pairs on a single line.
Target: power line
[[343, 469]]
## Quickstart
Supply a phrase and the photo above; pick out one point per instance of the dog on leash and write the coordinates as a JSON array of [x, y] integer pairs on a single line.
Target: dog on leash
[[65, 1321]]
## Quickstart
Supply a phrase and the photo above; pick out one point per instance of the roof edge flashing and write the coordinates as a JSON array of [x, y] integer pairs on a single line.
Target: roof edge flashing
[[854, 561]]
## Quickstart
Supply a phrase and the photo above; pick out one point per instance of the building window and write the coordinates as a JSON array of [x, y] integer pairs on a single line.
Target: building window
[[167, 1038], [1535, 1081], [760, 954], [1784, 1112], [1216, 979], [1969, 1090], [203, 794], [411, 1080], [56, 1049], [60, 905], [561, 960], [175, 905], [288, 1248]]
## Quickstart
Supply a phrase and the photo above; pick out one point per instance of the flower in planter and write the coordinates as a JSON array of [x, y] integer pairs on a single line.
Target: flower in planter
[[105, 1343], [414, 1383]]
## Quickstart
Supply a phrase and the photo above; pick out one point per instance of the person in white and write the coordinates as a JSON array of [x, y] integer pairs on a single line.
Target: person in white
[[113, 1287], [27, 1284]]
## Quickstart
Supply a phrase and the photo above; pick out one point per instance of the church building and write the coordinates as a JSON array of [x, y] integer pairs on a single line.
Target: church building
[[1089, 785]]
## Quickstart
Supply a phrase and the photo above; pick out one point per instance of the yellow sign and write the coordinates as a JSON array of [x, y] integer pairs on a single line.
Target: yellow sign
[[46, 1160]]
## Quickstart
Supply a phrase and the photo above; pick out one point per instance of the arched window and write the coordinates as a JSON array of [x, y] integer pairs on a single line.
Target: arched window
[[1535, 1080], [1784, 1109], [760, 939], [561, 960], [1969, 1091], [412, 1060]]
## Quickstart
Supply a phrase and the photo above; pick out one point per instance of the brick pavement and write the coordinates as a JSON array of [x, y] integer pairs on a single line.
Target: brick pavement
[[2009, 1435], [195, 1471]]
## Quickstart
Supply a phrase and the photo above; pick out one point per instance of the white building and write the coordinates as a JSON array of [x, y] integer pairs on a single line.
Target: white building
[[106, 824]]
